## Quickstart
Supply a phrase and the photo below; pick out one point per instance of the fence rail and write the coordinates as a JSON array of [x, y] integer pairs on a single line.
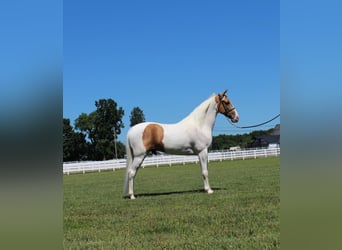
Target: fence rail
[[168, 160]]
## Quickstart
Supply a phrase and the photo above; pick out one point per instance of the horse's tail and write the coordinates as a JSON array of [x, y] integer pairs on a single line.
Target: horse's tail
[[129, 161]]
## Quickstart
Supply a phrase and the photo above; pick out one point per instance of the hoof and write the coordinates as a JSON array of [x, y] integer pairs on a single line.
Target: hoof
[[210, 191], [132, 197]]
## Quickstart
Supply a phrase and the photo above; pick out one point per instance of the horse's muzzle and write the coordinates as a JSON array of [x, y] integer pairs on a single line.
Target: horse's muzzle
[[235, 118]]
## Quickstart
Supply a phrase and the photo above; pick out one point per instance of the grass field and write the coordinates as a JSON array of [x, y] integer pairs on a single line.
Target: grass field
[[171, 210]]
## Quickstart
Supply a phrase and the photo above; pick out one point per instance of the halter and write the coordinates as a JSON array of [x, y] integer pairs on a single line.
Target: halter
[[226, 112]]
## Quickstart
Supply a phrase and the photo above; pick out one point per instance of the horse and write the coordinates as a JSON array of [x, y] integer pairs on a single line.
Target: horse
[[190, 136]]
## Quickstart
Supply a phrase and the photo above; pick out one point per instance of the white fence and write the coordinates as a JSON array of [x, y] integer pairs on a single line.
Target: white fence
[[169, 160]]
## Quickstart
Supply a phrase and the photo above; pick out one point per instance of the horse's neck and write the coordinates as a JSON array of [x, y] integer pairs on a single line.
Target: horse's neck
[[203, 116]]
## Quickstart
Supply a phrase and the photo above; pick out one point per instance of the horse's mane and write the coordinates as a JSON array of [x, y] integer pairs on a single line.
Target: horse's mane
[[199, 113]]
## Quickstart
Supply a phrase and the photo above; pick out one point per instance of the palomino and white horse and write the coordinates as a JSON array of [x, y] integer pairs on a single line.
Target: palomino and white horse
[[190, 136]]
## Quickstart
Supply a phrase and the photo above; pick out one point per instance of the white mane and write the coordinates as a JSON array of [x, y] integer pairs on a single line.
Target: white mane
[[198, 115]]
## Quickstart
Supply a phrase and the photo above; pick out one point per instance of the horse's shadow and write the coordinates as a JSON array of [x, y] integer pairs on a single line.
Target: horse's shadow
[[176, 192]]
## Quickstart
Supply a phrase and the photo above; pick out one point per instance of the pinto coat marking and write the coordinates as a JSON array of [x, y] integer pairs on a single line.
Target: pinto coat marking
[[192, 135], [152, 137]]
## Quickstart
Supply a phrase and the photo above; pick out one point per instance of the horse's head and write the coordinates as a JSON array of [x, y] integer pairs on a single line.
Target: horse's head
[[226, 107]]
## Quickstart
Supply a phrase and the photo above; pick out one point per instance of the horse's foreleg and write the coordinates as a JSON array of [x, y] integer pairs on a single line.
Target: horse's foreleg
[[203, 157], [131, 175]]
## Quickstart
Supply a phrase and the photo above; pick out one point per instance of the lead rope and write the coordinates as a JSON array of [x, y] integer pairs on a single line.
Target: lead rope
[[253, 126]]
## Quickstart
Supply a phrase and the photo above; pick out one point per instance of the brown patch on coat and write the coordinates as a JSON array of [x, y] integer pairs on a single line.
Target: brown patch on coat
[[153, 138]]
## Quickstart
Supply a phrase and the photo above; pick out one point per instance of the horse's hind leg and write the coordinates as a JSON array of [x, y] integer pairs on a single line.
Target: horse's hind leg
[[137, 161], [203, 157]]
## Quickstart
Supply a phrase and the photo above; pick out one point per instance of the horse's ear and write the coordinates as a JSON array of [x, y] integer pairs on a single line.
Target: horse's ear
[[224, 92]]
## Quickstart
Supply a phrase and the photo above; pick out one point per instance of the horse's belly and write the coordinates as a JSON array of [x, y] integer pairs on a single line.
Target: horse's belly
[[180, 151], [179, 141]]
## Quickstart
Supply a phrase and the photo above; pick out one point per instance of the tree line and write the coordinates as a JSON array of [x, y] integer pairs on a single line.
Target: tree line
[[94, 135], [222, 142]]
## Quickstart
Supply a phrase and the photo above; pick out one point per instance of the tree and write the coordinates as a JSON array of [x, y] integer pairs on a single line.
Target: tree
[[100, 127], [85, 124], [108, 124], [137, 116], [74, 144]]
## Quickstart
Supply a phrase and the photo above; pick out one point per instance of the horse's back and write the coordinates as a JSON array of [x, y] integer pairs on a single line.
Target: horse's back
[[146, 136], [138, 129]]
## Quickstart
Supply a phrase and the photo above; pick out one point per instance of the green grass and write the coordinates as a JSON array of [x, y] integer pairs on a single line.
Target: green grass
[[171, 210]]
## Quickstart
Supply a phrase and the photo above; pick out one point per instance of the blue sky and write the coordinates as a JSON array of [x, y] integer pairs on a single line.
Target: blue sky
[[166, 57]]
